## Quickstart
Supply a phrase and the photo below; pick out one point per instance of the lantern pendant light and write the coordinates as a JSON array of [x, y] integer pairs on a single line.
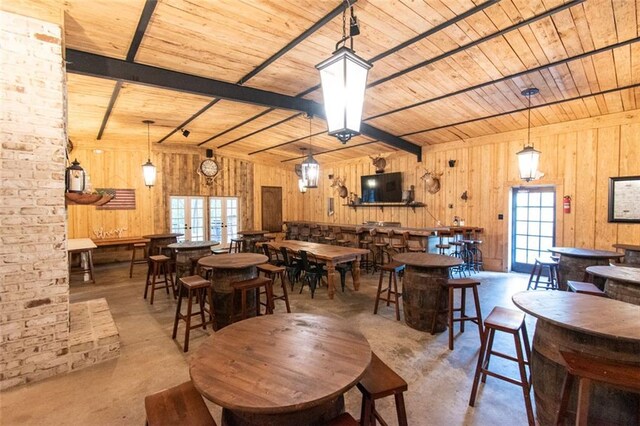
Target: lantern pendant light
[[529, 158], [75, 177], [302, 184], [310, 167], [148, 169], [344, 80]]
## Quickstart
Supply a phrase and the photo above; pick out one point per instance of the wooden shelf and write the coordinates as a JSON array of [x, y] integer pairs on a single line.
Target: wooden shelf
[[87, 199], [383, 205]]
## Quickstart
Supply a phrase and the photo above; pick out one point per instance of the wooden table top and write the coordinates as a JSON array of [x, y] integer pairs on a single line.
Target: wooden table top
[[598, 316], [321, 251], [192, 245], [280, 363], [159, 236], [120, 241], [233, 260], [253, 232], [629, 247], [76, 244], [586, 253], [616, 273], [427, 260]]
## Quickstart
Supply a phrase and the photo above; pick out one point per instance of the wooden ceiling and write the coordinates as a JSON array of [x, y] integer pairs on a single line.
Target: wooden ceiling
[[463, 79]]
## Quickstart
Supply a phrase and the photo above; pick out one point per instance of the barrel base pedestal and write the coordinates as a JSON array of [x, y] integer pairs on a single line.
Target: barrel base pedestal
[[225, 305], [573, 269], [419, 292], [625, 292]]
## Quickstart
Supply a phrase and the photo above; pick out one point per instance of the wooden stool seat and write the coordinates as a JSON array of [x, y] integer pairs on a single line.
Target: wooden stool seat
[[236, 245], [442, 248], [272, 272], [380, 381], [392, 294], [539, 265], [159, 264], [135, 261], [180, 405], [194, 285], [344, 419], [512, 322], [585, 288], [459, 284], [586, 369], [254, 284]]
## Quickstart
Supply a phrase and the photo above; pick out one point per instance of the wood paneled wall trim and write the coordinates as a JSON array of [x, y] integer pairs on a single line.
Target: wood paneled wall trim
[[578, 157]]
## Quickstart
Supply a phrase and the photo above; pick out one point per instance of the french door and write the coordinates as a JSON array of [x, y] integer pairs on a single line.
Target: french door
[[218, 222], [223, 219], [533, 226]]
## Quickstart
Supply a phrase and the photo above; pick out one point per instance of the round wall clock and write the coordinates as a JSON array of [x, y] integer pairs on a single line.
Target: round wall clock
[[209, 169]]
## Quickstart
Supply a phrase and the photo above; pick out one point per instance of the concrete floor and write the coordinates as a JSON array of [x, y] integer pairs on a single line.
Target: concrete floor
[[112, 393]]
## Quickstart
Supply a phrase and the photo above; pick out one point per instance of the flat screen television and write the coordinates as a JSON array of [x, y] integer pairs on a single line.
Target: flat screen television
[[382, 188]]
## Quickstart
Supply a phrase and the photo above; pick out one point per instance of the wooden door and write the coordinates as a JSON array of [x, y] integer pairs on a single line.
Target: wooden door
[[272, 208]]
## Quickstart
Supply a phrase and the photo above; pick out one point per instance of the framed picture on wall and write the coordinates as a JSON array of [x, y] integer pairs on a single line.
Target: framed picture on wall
[[624, 199]]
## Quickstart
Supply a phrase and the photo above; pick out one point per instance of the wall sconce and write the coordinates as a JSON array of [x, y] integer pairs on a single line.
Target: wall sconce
[[452, 163], [75, 177]]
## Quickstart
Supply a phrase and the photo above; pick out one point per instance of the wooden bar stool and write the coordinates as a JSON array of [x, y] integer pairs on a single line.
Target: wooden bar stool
[[193, 285], [344, 419], [379, 249], [586, 369], [135, 261], [394, 269], [340, 240], [159, 265], [365, 242], [443, 246], [512, 322], [378, 382], [451, 286], [254, 284], [552, 277], [179, 405], [272, 272], [585, 288]]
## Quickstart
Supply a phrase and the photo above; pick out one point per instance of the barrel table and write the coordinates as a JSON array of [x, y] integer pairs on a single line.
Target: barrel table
[[423, 275], [631, 253], [187, 250], [574, 262], [226, 269], [160, 241], [623, 283], [590, 325], [281, 369], [251, 237]]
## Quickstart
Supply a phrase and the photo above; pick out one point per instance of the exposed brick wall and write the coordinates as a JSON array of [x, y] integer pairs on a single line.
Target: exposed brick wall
[[34, 290]]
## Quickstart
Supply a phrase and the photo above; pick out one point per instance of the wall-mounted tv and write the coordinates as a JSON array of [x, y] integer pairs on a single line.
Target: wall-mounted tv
[[382, 188]]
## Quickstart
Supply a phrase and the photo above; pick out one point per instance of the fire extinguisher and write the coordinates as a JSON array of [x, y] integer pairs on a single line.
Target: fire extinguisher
[[566, 204]]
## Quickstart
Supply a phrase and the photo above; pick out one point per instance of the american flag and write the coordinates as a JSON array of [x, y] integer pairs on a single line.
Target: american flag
[[124, 199]]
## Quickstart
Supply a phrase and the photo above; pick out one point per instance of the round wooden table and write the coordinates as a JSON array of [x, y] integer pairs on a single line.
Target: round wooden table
[[631, 253], [591, 325], [159, 241], [251, 237], [623, 283], [226, 269], [187, 250], [574, 261], [424, 274], [282, 369]]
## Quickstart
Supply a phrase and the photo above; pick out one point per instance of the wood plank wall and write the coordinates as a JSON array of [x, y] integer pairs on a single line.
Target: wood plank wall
[[578, 157]]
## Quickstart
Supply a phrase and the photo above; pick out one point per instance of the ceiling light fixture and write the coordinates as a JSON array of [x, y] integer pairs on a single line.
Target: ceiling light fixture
[[529, 157], [302, 184], [344, 80], [310, 167], [185, 132], [148, 169]]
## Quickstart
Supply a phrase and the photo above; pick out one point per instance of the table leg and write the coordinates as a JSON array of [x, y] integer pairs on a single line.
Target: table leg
[[355, 274], [331, 271]]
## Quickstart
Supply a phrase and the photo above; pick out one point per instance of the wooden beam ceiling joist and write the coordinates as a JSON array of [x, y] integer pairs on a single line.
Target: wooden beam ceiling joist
[[93, 65]]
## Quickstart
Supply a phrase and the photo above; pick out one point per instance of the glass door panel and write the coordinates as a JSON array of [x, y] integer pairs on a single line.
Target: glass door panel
[[223, 219], [178, 215], [215, 219], [196, 227], [232, 218]]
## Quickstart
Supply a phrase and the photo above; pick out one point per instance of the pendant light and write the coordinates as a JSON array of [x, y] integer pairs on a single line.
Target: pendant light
[[302, 184], [310, 167], [148, 169], [75, 178], [529, 157], [344, 80]]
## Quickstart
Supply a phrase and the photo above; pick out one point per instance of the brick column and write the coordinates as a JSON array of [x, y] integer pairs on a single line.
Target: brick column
[[34, 289]]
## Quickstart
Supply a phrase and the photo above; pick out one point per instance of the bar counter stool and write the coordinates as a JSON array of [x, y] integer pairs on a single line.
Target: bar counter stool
[[135, 261], [380, 381], [451, 286], [179, 405], [365, 242], [272, 272], [394, 269], [443, 246], [199, 287], [552, 273], [159, 266], [512, 322], [236, 245], [379, 249], [256, 285]]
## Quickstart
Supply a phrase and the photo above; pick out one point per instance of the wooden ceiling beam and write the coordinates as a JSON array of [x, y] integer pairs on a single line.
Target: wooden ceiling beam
[[293, 43], [141, 29], [93, 65], [329, 151]]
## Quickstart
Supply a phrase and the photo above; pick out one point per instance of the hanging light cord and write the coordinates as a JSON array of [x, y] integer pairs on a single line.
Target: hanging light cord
[[310, 150], [148, 142], [529, 123]]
